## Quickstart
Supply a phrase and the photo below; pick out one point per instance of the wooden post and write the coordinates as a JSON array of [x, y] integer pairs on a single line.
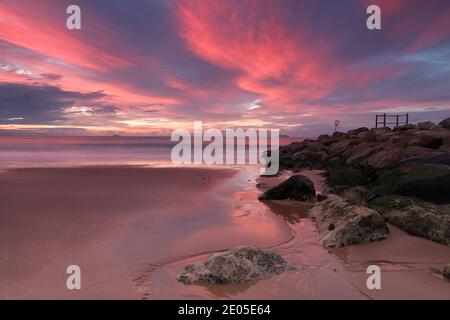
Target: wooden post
[[397, 121], [384, 120], [376, 121], [407, 118]]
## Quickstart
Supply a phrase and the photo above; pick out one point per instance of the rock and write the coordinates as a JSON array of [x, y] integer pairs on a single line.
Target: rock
[[439, 135], [425, 125], [378, 147], [445, 123], [416, 217], [297, 187], [427, 182], [414, 151], [426, 141], [428, 158], [325, 139], [354, 195], [385, 158], [338, 134], [341, 223], [359, 130], [239, 265], [367, 136], [341, 146], [346, 175], [446, 271], [309, 157], [404, 127], [362, 151], [382, 130]]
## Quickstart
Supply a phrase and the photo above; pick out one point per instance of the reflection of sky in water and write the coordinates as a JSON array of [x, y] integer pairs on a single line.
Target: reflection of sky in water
[[56, 151], [17, 151]]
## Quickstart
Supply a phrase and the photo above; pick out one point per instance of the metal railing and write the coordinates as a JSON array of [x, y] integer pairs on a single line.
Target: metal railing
[[391, 119]]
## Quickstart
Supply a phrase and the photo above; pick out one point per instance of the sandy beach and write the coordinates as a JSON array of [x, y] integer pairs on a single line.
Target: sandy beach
[[131, 230], [113, 222]]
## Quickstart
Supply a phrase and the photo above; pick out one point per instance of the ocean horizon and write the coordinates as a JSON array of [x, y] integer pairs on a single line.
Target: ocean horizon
[[35, 151]]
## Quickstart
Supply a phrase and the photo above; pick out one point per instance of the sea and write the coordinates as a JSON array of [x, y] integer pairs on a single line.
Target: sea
[[56, 151]]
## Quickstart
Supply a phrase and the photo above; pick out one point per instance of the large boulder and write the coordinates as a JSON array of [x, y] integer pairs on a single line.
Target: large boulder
[[427, 141], [445, 123], [440, 136], [361, 152], [384, 158], [238, 265], [341, 223], [346, 175], [367, 136], [354, 195], [337, 148], [427, 182], [416, 217], [297, 187], [325, 139], [414, 151]]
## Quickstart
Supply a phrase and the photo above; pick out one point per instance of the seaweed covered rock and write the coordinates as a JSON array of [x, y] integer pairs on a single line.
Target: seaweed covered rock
[[341, 223], [297, 187], [354, 195], [416, 217], [350, 175], [427, 182], [238, 265]]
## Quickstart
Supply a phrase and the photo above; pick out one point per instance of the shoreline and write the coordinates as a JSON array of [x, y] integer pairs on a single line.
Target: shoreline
[[131, 273]]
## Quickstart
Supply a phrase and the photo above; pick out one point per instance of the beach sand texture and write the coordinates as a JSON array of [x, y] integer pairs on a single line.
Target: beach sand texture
[[131, 230]]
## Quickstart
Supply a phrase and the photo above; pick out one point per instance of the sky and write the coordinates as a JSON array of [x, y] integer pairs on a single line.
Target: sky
[[147, 67]]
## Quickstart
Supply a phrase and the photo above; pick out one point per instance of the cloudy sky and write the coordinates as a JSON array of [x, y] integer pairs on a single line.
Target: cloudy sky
[[150, 66]]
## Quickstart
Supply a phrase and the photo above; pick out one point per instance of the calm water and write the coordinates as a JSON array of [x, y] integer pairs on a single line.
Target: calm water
[[67, 151]]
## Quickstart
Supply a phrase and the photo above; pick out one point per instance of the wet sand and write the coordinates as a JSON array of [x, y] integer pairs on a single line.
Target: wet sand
[[115, 221], [320, 274], [409, 266], [132, 229]]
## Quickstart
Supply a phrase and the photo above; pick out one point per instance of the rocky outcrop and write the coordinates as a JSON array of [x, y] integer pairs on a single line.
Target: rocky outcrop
[[238, 265], [297, 187], [380, 148], [416, 217], [341, 223], [354, 195], [368, 167], [428, 182]]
